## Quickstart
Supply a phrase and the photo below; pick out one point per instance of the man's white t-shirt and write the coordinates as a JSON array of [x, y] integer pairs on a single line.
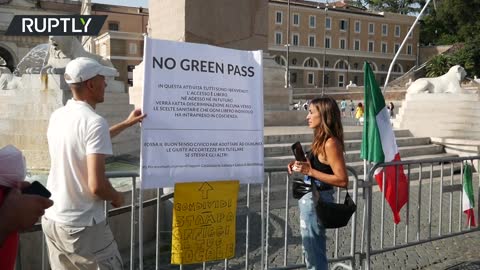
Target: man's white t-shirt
[[74, 132]]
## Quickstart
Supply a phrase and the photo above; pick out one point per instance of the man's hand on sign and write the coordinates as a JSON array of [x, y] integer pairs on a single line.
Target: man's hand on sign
[[135, 117]]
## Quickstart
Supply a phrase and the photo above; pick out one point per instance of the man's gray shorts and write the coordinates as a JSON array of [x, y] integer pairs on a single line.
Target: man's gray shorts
[[90, 247]]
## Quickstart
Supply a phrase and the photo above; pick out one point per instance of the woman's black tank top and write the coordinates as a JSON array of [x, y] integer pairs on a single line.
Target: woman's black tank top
[[321, 167]]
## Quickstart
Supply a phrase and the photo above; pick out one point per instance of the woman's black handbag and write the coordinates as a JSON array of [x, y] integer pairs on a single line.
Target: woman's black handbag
[[300, 188], [333, 215]]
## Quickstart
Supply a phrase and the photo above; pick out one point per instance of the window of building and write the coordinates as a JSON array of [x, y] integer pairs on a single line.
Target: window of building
[[325, 79], [310, 62], [371, 28], [357, 26], [382, 80], [294, 61], [296, 19], [384, 47], [113, 26], [397, 68], [384, 30], [343, 43], [343, 25], [411, 34], [279, 60], [355, 80], [397, 47], [293, 77], [382, 67], [327, 63], [311, 41], [355, 66], [397, 30], [295, 39], [278, 38], [312, 21], [342, 64], [409, 49], [328, 23], [371, 46], [356, 45], [341, 80], [278, 17], [130, 69], [132, 48], [327, 42], [310, 78]]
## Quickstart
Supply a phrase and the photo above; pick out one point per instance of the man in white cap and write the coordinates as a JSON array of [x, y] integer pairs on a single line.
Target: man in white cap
[[75, 228]]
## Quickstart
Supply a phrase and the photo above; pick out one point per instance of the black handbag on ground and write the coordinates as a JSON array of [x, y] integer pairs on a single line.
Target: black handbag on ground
[[333, 215]]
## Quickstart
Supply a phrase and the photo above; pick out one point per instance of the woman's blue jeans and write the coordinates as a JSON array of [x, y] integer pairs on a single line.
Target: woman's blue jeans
[[313, 232]]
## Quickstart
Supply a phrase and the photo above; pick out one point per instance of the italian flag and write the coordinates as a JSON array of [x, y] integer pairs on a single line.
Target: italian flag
[[468, 199], [379, 145]]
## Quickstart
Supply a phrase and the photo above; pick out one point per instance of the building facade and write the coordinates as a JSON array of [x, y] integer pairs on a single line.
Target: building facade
[[120, 39], [328, 43]]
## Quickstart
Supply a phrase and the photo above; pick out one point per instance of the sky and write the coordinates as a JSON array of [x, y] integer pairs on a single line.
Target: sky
[[128, 3]]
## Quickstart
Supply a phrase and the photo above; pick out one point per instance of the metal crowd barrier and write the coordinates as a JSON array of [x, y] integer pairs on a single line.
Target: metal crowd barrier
[[254, 203], [263, 206], [424, 176], [350, 231]]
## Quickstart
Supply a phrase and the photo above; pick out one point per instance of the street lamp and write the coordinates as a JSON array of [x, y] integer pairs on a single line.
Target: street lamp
[[324, 49], [287, 66]]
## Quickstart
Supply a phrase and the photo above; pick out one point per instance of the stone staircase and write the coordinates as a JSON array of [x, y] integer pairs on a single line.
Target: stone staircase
[[450, 115], [278, 151]]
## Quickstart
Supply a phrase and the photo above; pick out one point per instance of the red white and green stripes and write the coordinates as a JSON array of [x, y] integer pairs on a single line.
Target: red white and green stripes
[[467, 194], [379, 145]]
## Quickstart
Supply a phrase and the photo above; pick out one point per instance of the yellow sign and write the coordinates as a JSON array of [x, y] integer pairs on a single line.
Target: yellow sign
[[204, 219]]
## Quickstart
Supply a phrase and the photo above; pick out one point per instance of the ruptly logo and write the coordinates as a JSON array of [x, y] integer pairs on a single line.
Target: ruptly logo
[[54, 25]]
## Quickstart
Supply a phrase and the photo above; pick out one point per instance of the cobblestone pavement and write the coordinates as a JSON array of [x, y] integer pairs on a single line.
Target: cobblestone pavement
[[457, 252]]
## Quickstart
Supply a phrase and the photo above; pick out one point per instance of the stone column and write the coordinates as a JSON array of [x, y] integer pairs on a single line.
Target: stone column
[[236, 24]]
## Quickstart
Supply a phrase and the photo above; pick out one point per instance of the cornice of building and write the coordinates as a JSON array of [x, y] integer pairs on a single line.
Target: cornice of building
[[349, 53], [323, 6]]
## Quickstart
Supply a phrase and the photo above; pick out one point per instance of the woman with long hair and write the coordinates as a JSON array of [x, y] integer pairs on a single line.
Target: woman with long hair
[[325, 165]]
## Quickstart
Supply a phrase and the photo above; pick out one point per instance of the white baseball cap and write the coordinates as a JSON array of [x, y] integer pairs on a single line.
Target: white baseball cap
[[81, 69]]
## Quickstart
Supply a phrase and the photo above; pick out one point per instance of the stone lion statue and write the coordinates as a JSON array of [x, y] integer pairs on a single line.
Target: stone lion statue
[[447, 83], [8, 81], [65, 48]]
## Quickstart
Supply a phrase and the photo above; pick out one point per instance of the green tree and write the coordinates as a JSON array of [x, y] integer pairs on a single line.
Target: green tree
[[453, 21], [396, 6]]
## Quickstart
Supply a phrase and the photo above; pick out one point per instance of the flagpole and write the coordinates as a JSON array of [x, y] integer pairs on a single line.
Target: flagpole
[[368, 199], [401, 46]]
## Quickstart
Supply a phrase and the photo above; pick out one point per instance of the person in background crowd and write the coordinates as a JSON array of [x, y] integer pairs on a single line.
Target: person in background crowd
[[325, 166], [352, 108], [391, 108], [343, 107], [75, 228], [359, 113]]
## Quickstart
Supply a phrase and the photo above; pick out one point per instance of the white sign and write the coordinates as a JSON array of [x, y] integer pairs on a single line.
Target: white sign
[[204, 107]]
